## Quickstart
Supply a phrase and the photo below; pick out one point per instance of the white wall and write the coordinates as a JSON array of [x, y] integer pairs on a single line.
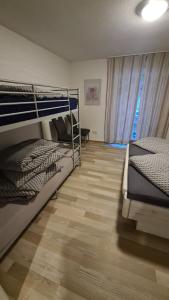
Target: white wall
[[18, 135], [91, 116], [23, 60]]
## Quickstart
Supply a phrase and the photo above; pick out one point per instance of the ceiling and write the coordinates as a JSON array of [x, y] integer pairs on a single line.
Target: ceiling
[[85, 29]]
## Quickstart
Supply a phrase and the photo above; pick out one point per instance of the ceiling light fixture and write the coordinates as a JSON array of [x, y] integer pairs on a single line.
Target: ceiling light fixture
[[154, 9]]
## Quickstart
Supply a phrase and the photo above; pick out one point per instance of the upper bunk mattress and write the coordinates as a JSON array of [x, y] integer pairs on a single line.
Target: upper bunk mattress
[[22, 103]]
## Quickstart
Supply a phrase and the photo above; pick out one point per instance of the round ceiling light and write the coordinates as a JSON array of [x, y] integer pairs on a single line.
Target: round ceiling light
[[154, 9]]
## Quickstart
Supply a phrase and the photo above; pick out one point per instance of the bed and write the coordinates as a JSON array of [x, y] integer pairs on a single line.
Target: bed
[[142, 200], [14, 218]]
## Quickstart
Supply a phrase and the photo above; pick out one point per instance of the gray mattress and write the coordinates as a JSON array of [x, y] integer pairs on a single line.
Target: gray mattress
[[136, 150], [14, 218], [140, 188]]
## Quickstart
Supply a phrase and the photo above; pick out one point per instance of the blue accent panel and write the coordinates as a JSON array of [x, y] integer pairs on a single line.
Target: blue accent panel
[[137, 112], [118, 146]]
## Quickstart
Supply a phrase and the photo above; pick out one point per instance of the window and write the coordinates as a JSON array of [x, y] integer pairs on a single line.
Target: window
[[134, 129], [136, 117]]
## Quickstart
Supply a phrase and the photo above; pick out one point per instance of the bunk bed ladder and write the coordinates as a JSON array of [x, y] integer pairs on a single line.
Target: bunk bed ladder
[[76, 147]]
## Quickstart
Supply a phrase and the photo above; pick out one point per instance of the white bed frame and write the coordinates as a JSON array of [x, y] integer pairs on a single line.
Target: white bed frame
[[149, 218]]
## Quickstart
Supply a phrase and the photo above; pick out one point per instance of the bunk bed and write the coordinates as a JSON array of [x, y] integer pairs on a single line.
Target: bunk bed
[[23, 104]]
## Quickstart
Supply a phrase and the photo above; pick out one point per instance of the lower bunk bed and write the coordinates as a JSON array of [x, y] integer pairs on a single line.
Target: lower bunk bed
[[15, 217], [142, 200]]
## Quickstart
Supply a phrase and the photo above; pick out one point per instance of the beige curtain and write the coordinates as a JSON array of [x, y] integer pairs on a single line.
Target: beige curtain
[[154, 100], [123, 77], [163, 124]]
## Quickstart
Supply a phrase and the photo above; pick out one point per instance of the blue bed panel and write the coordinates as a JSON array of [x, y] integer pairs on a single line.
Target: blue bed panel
[[16, 119], [8, 109], [54, 105], [15, 98]]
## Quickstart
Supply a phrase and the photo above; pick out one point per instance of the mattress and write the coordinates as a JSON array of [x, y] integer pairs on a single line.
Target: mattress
[[14, 218], [136, 150], [18, 108], [139, 187]]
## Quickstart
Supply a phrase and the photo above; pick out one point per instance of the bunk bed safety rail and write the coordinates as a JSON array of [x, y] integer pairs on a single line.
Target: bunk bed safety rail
[[20, 101]]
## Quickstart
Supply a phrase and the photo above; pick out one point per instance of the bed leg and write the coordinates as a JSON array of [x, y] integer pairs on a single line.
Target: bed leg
[[126, 206]]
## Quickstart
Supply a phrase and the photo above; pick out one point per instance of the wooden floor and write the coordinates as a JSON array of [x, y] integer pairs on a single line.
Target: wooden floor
[[80, 248]]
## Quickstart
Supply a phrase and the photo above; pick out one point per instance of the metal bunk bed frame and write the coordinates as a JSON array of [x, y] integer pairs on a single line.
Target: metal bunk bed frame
[[51, 90]]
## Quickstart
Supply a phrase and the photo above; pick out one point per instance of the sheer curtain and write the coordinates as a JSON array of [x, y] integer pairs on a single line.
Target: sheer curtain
[[154, 98], [123, 79], [163, 124], [123, 89]]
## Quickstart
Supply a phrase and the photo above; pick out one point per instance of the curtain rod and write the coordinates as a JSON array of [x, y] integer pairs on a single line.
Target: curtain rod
[[137, 54]]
